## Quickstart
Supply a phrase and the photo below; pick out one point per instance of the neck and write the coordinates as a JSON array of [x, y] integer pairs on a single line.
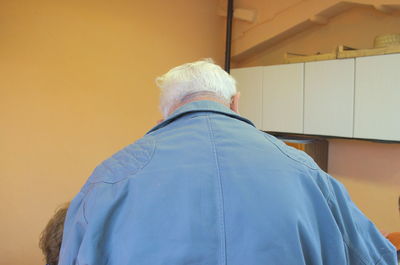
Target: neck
[[197, 97]]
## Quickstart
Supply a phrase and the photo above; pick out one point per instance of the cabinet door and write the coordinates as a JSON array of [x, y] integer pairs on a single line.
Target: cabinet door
[[329, 98], [283, 98], [249, 84], [377, 97]]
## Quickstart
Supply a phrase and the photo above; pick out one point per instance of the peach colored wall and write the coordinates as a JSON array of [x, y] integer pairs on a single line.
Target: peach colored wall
[[370, 171], [76, 85]]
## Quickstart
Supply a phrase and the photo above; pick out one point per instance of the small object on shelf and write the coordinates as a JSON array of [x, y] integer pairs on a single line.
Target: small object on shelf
[[384, 44], [300, 58], [388, 40], [348, 52]]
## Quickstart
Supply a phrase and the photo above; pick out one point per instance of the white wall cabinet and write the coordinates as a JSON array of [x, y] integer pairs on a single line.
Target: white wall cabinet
[[282, 98], [329, 98], [377, 97], [249, 83], [357, 98]]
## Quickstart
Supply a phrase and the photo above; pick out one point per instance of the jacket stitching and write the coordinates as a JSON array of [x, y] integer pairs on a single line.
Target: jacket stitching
[[137, 170], [382, 258], [220, 193], [142, 166], [359, 256], [330, 197], [325, 176], [288, 155], [346, 239], [84, 209]]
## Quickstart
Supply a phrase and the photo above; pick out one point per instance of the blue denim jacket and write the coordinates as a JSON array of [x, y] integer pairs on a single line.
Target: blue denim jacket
[[207, 188]]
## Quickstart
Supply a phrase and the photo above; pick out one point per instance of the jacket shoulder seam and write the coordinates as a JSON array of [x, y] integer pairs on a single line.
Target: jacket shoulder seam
[[141, 165], [289, 155]]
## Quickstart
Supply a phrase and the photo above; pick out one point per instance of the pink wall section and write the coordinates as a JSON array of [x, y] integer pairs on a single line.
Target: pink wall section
[[371, 173], [367, 161]]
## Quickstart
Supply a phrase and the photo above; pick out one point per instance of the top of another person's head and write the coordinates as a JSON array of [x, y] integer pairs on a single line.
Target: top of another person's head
[[196, 79], [51, 237]]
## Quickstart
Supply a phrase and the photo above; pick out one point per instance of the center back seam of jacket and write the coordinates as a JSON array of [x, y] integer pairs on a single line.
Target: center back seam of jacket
[[220, 193]]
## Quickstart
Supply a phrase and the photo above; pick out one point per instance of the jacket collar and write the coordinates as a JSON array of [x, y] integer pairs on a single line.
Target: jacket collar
[[199, 106]]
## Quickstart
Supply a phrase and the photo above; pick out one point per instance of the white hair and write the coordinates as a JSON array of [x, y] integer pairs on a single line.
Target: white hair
[[195, 78]]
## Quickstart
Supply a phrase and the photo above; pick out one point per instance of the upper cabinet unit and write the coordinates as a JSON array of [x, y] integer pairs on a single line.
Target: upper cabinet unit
[[353, 98], [282, 98], [377, 97], [272, 96], [329, 98], [249, 82]]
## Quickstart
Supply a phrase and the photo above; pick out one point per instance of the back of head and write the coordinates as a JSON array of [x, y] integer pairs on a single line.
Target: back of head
[[51, 237], [201, 77]]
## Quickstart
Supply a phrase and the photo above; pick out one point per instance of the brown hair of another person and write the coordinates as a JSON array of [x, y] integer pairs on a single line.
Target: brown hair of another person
[[51, 237]]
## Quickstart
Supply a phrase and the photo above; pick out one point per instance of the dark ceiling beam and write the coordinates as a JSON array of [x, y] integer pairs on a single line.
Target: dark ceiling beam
[[228, 40]]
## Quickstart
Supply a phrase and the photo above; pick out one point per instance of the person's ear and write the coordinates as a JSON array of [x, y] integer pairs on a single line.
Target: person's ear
[[235, 103]]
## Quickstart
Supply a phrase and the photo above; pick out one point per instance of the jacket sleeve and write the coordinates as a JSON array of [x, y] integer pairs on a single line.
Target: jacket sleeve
[[365, 244], [74, 231]]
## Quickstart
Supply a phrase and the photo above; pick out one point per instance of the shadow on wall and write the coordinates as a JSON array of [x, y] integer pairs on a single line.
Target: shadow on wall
[[367, 161]]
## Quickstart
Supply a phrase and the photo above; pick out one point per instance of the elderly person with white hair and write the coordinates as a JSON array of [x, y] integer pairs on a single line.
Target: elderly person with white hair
[[206, 187]]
